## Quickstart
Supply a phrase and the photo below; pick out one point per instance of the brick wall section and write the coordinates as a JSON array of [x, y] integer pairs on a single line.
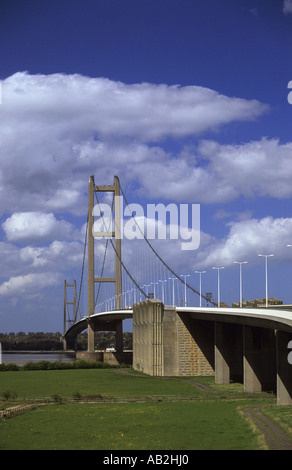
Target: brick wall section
[[195, 347]]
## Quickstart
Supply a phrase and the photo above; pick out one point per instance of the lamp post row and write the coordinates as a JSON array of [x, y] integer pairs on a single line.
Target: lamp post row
[[240, 263], [240, 277]]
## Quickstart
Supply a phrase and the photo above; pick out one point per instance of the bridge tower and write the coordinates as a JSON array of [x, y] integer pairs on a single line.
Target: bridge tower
[[66, 302], [92, 279]]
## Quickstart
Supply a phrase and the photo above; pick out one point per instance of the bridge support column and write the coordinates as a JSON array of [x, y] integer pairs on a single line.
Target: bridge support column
[[119, 335], [251, 360], [148, 337], [90, 338], [284, 369], [228, 352], [222, 354], [259, 360]]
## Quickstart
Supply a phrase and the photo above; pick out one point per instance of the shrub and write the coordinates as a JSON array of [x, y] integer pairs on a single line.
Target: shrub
[[57, 398], [9, 366], [7, 395], [77, 396], [48, 365]]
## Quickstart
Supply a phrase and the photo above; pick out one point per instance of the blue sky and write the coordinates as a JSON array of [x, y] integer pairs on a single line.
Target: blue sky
[[186, 101]]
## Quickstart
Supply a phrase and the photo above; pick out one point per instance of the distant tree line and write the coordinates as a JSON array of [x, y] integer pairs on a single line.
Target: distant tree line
[[39, 341], [33, 341]]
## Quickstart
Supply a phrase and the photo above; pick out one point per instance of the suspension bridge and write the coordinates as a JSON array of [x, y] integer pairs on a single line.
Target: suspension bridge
[[170, 335]]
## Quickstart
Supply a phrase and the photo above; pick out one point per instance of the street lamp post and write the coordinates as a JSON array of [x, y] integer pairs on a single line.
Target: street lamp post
[[266, 263], [162, 281], [154, 284], [200, 272], [240, 279], [173, 279], [185, 276], [218, 270]]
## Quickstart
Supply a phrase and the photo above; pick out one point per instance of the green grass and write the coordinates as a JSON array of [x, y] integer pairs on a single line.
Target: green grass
[[103, 382], [129, 426], [162, 414]]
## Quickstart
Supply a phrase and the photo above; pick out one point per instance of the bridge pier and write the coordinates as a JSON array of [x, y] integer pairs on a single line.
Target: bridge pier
[[90, 338], [119, 335], [222, 354], [167, 344], [228, 352], [147, 337], [259, 359]]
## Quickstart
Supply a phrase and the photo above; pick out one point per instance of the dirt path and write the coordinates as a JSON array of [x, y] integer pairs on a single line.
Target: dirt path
[[275, 437]]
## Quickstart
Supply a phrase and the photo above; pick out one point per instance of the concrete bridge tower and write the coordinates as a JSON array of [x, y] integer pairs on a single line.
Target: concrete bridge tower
[[92, 279]]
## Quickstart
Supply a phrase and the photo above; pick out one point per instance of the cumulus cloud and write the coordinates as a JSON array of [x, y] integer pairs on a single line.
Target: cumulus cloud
[[246, 239], [57, 130], [213, 172], [36, 227], [88, 106], [59, 253], [32, 269], [32, 282], [260, 168]]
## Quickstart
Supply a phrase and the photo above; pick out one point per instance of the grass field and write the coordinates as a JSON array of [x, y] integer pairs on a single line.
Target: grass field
[[132, 412]]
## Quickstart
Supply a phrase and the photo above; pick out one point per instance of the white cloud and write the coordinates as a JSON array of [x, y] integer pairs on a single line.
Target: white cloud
[[57, 130], [28, 284], [32, 269], [63, 254], [36, 226], [246, 239], [215, 173], [88, 106], [261, 168]]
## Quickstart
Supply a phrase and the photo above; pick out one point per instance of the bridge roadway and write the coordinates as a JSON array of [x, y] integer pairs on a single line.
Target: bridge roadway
[[103, 321], [270, 317]]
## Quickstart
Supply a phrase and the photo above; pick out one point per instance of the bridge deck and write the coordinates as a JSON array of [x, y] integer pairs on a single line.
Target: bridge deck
[[276, 318], [101, 317], [261, 317]]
